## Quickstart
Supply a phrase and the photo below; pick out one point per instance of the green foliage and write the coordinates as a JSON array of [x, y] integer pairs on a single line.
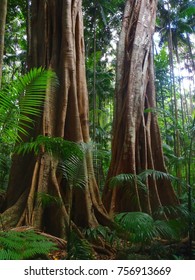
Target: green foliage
[[5, 163], [45, 200], [140, 178], [70, 156], [21, 101], [121, 179], [101, 232], [78, 248], [55, 146], [24, 245], [142, 228], [15, 52]]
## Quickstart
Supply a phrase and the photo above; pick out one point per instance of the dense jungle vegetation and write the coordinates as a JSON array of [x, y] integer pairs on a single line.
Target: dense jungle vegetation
[[97, 129]]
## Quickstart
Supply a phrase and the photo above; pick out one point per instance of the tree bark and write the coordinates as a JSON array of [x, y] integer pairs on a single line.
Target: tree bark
[[3, 13], [136, 142], [57, 43]]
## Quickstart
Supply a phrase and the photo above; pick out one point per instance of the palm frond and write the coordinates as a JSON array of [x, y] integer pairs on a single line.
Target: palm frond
[[121, 179], [139, 225], [155, 174], [164, 230], [45, 199], [159, 175], [173, 210]]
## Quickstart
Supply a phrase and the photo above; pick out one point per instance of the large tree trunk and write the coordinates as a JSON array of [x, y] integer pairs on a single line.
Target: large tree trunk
[[57, 43], [3, 12], [136, 142]]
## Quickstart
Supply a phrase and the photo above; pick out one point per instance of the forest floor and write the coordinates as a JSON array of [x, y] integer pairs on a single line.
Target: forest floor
[[156, 251]]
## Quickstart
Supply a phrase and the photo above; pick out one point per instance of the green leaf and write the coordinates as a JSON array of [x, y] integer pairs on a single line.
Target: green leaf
[[21, 101]]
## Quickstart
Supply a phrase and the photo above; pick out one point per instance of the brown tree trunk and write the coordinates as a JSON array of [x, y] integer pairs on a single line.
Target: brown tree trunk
[[57, 43], [3, 13], [136, 142]]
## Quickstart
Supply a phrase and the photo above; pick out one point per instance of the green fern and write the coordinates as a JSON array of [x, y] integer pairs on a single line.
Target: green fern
[[56, 146], [25, 245], [69, 154], [21, 100], [73, 170]]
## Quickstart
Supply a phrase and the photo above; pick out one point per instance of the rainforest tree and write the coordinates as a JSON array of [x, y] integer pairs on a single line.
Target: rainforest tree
[[56, 42], [136, 142]]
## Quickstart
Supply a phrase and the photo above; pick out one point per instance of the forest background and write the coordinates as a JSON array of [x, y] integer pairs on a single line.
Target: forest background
[[173, 53]]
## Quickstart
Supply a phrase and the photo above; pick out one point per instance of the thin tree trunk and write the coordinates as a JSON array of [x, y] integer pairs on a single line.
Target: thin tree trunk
[[177, 148], [136, 142], [3, 13]]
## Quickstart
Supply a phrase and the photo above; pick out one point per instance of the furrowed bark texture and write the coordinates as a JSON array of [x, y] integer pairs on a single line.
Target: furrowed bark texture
[[3, 13], [136, 138], [57, 43]]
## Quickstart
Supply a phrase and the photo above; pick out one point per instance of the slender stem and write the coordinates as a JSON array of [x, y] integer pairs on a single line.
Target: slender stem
[[190, 196], [94, 79]]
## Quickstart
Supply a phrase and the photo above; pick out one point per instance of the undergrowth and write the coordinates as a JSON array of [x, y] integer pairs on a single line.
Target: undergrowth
[[25, 245]]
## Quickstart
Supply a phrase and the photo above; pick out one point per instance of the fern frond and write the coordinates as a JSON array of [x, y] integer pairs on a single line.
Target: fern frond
[[16, 245], [71, 156], [56, 146], [73, 170], [21, 100]]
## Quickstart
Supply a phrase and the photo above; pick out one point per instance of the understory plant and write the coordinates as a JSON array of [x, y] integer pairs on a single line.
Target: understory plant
[[21, 103], [24, 245]]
